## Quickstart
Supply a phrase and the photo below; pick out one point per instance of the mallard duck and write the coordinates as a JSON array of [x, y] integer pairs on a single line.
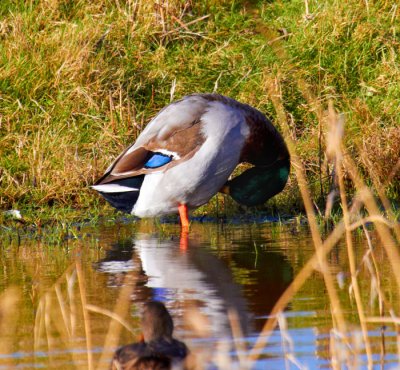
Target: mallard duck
[[187, 153], [157, 348]]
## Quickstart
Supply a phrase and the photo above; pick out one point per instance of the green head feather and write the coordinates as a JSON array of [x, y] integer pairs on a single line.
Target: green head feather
[[257, 184]]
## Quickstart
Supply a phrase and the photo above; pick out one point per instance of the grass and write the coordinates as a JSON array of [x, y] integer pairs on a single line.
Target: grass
[[79, 81]]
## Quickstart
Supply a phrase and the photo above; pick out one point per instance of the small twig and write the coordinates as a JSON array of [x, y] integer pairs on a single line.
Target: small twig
[[282, 37], [307, 9], [180, 22], [172, 91], [374, 219], [187, 24], [63, 309], [237, 335], [112, 121], [387, 320], [86, 317], [112, 315], [197, 35]]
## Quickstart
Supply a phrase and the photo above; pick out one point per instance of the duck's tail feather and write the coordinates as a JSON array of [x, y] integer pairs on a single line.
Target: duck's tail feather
[[121, 194]]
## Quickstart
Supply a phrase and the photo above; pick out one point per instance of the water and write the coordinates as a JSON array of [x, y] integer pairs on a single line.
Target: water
[[242, 269]]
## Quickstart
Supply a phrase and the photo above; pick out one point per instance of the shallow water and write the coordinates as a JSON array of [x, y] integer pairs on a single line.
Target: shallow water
[[241, 269]]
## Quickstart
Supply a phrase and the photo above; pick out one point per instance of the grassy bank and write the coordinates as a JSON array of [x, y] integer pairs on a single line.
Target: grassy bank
[[79, 80]]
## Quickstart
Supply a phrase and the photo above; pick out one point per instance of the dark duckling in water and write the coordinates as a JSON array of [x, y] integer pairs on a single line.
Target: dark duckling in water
[[158, 349]]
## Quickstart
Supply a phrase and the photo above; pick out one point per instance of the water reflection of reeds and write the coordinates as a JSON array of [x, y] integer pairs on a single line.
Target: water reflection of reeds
[[83, 312]]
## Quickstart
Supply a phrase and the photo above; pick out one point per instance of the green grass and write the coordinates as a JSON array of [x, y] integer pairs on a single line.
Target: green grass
[[79, 80]]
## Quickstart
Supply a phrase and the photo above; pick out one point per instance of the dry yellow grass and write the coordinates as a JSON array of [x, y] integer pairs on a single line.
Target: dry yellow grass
[[80, 80]]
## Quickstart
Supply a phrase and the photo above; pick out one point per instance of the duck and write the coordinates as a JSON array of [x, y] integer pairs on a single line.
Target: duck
[[188, 152], [157, 349]]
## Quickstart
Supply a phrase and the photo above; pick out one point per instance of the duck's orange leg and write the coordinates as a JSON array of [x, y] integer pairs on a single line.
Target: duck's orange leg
[[184, 241], [183, 213]]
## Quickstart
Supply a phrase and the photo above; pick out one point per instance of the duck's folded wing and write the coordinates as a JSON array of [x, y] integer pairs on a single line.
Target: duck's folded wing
[[163, 137]]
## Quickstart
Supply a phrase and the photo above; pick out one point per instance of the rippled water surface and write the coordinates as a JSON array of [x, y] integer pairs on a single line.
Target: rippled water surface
[[59, 299]]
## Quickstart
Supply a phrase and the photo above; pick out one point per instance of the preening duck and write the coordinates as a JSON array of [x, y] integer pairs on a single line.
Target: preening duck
[[187, 153]]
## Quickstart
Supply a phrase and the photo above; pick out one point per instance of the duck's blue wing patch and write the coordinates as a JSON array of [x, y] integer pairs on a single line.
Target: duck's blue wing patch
[[157, 160]]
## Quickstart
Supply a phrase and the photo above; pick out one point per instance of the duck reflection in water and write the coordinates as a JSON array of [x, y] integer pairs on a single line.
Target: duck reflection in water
[[157, 349], [181, 278], [232, 277]]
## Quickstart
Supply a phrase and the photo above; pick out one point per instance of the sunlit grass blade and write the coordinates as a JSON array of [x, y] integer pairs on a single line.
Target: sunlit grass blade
[[9, 300]]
